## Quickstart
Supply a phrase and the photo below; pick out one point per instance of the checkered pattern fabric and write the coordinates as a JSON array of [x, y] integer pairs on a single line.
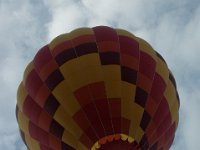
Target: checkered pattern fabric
[[95, 82]]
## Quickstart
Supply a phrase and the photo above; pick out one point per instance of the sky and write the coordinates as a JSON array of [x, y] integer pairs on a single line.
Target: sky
[[172, 27]]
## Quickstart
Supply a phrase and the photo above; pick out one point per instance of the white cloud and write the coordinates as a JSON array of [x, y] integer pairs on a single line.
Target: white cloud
[[66, 15], [22, 33], [187, 136], [171, 27], [11, 141]]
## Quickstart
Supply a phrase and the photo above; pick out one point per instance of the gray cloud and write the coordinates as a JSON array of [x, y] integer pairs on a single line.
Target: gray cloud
[[172, 28]]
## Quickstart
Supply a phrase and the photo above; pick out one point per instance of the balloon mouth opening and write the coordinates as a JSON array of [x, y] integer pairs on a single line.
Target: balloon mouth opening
[[116, 142]]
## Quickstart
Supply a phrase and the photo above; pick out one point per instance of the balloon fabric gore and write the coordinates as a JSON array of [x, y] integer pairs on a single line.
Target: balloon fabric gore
[[97, 89]]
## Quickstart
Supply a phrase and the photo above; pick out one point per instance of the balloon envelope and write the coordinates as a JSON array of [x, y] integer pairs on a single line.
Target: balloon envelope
[[97, 88]]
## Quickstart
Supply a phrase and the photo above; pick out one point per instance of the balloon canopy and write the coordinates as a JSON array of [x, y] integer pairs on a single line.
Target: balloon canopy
[[97, 89]]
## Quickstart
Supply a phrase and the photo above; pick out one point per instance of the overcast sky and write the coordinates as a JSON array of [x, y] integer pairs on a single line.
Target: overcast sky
[[172, 27]]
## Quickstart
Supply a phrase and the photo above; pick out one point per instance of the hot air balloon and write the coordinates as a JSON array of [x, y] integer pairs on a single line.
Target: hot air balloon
[[97, 89]]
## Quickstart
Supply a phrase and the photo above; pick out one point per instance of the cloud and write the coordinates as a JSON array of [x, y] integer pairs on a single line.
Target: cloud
[[187, 135], [66, 15], [171, 27], [11, 141], [22, 34]]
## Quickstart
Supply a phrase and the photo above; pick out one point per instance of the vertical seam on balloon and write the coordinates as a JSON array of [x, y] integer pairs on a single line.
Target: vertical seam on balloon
[[136, 138], [23, 84], [71, 40], [120, 59], [148, 98], [110, 114], [29, 120], [99, 117], [118, 44], [166, 128], [160, 100], [78, 102], [72, 91], [50, 91], [104, 85]]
